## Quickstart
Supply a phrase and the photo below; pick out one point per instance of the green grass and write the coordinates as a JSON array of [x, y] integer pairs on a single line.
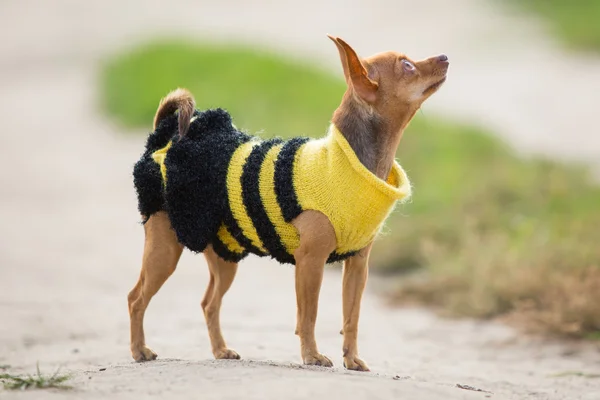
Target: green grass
[[576, 21], [261, 91], [37, 381], [488, 233]]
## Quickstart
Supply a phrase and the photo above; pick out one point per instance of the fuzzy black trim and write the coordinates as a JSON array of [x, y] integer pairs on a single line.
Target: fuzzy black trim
[[196, 190], [215, 121], [166, 129], [148, 184], [223, 252], [147, 178], [335, 257], [254, 205], [284, 179]]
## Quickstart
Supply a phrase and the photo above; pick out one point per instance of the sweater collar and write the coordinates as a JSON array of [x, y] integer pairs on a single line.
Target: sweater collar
[[396, 186]]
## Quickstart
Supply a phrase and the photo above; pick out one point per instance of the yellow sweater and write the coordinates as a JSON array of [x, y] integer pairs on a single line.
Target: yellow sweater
[[271, 183]]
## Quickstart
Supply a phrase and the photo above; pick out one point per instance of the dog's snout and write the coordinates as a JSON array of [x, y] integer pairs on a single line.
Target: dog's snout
[[442, 58]]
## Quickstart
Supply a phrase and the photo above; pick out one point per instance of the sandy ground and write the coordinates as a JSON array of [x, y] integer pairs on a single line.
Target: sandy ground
[[70, 242]]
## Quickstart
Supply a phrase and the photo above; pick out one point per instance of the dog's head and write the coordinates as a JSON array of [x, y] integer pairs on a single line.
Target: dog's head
[[391, 83]]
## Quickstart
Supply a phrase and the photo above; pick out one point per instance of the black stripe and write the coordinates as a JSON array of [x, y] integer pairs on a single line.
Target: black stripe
[[147, 178], [284, 179], [235, 229], [238, 234], [335, 257], [254, 205], [226, 254]]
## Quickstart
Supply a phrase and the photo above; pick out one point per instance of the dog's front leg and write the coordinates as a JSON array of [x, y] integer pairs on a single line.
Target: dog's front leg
[[317, 241], [356, 270], [309, 275]]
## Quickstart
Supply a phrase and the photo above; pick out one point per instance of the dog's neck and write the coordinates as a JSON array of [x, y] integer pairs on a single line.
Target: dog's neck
[[374, 139]]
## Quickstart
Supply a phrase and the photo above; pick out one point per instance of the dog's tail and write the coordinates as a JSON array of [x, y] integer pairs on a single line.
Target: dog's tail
[[178, 100]]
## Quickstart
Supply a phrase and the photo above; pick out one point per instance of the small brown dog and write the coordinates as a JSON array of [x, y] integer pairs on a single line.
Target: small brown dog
[[384, 92]]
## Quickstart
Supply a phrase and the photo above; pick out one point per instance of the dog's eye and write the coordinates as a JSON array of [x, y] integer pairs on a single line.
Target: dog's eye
[[408, 66]]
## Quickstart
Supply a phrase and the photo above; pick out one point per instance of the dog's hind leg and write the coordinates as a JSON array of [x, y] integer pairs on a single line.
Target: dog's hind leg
[[209, 292], [161, 254], [222, 274]]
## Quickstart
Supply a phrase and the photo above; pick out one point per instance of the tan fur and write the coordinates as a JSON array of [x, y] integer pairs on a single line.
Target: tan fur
[[382, 97], [161, 254], [354, 280], [178, 100], [317, 241], [373, 124], [222, 274]]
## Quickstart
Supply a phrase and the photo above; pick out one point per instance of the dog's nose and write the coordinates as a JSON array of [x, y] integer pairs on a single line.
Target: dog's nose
[[443, 58]]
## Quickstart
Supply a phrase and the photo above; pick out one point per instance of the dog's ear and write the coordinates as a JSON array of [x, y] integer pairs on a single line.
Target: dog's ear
[[342, 57], [355, 72]]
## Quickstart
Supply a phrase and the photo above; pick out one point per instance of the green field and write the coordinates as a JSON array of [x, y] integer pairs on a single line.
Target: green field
[[576, 21], [487, 233]]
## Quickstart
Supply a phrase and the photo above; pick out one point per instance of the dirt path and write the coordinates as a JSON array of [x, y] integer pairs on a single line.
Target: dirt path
[[70, 243]]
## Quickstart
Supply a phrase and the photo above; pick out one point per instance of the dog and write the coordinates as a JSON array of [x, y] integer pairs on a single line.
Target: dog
[[204, 185]]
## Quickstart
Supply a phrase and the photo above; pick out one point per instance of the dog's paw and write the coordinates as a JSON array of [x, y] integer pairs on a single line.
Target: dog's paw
[[226, 354], [355, 364], [143, 354], [317, 359]]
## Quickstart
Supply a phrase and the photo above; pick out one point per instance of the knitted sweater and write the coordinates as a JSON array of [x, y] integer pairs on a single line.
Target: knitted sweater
[[265, 185]]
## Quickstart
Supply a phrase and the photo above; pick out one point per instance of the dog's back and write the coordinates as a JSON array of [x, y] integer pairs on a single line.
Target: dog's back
[[191, 187], [223, 187]]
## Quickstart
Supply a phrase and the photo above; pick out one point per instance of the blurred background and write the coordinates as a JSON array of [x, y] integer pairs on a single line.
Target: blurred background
[[504, 159]]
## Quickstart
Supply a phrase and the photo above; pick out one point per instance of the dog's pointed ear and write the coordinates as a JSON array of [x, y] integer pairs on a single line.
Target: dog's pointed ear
[[342, 57], [355, 72]]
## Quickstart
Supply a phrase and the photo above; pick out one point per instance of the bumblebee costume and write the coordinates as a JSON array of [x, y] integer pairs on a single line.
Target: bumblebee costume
[[223, 187]]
